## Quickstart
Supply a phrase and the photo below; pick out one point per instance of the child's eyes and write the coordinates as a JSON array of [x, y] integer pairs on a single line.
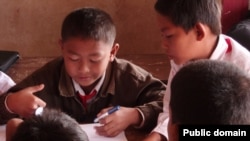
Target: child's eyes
[[95, 60], [166, 36], [74, 58], [77, 58]]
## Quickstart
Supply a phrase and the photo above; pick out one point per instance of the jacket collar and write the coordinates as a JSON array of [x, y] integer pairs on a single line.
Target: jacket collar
[[109, 81], [65, 84]]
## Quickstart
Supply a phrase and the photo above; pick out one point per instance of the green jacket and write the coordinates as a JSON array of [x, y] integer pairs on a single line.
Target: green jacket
[[125, 84]]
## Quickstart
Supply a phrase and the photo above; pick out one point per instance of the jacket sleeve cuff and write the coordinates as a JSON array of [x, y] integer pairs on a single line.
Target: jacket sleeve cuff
[[142, 117], [5, 114], [6, 106]]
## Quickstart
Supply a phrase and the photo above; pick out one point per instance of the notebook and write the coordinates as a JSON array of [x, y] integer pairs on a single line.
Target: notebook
[[7, 59]]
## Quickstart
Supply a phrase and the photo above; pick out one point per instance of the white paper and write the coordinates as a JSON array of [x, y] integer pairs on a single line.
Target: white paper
[[93, 136], [88, 128]]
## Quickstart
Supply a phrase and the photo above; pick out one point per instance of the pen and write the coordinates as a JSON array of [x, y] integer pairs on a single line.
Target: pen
[[110, 111]]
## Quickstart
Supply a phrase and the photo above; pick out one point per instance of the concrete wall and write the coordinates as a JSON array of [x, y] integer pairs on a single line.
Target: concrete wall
[[32, 27]]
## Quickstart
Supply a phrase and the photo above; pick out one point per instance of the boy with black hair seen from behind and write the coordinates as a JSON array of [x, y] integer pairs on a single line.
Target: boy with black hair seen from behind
[[50, 125], [209, 92]]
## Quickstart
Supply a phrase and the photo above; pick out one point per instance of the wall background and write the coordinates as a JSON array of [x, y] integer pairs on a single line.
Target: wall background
[[32, 27]]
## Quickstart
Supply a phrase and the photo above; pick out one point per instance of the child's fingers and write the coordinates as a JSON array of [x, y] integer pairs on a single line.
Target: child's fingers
[[40, 102], [36, 88], [103, 111], [108, 130]]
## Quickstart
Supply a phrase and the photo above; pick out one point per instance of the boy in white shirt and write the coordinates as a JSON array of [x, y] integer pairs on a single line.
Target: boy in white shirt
[[191, 30]]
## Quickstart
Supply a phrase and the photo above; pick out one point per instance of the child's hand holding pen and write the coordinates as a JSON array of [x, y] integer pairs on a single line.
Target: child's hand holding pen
[[110, 111], [116, 122]]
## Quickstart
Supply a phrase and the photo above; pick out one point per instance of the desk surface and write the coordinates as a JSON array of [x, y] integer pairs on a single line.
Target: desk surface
[[157, 64], [131, 135]]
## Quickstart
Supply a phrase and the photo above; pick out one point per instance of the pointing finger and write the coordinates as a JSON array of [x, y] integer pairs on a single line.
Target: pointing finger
[[35, 88]]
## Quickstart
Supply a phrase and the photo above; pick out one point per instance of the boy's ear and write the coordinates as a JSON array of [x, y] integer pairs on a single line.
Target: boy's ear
[[200, 31], [114, 51]]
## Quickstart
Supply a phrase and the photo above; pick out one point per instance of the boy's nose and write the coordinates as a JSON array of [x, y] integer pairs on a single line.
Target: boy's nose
[[83, 67], [164, 46]]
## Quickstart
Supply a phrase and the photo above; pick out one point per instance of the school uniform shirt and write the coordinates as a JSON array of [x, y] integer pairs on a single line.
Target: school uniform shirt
[[5, 82], [86, 98], [227, 49], [125, 84]]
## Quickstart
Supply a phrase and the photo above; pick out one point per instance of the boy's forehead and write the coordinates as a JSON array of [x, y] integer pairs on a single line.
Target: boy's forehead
[[78, 44], [164, 22], [82, 40]]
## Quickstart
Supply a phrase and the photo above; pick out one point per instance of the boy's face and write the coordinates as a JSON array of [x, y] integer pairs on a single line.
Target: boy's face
[[178, 45], [87, 60]]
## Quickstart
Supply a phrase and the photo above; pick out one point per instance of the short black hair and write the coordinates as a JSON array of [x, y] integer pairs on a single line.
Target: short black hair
[[89, 23], [186, 13], [210, 92], [51, 125]]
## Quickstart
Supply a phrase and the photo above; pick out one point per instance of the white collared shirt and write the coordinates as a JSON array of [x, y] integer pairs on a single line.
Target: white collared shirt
[[80, 90], [5, 82]]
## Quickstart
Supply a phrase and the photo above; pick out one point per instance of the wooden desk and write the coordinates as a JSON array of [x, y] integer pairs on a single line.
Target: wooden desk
[[158, 65]]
